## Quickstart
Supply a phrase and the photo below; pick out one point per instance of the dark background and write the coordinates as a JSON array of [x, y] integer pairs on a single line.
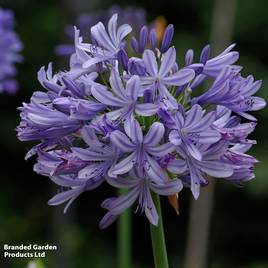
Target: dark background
[[239, 235]]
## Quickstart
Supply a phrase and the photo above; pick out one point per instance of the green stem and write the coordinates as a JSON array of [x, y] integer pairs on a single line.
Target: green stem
[[158, 238], [124, 237]]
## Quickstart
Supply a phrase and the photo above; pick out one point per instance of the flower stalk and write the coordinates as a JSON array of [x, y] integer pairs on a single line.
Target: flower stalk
[[124, 237], [158, 238]]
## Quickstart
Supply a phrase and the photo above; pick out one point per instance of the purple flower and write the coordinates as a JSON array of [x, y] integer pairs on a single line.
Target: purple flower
[[73, 187], [211, 165], [230, 127], [108, 42], [233, 91], [58, 113], [105, 126], [126, 98], [193, 128], [140, 188], [62, 169], [40, 121], [236, 155], [158, 79], [243, 163], [100, 156], [85, 169], [140, 151], [57, 162], [131, 15], [78, 109], [10, 46], [212, 67]]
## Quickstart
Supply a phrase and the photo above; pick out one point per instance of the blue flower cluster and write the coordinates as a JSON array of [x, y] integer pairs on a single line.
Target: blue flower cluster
[[127, 116], [10, 46]]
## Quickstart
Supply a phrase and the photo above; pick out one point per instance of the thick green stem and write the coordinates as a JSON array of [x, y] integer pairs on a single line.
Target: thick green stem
[[124, 238], [158, 238]]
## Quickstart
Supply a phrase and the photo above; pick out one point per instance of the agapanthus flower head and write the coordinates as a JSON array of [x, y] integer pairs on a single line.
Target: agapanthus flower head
[[10, 46], [129, 120]]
